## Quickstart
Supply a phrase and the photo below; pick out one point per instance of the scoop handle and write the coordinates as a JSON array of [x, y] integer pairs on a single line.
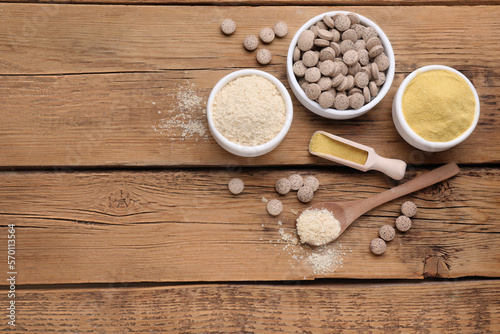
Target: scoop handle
[[393, 168]]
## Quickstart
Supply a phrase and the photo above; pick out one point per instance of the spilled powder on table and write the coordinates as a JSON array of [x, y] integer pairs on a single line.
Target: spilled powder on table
[[291, 246], [328, 258], [187, 116], [322, 260]]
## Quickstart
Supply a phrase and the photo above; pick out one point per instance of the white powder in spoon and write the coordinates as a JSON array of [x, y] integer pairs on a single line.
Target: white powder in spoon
[[249, 110], [317, 227]]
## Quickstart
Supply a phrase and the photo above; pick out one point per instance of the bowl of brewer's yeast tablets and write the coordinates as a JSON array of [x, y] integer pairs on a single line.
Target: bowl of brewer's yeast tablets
[[435, 108], [340, 65], [249, 112]]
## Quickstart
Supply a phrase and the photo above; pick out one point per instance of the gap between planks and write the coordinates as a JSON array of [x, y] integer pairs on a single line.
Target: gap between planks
[[316, 283]]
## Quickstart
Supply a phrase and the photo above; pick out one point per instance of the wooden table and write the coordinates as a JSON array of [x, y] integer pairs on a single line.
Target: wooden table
[[118, 192]]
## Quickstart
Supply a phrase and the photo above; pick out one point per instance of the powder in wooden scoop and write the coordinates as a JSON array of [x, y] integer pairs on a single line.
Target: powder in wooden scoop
[[324, 144], [438, 105]]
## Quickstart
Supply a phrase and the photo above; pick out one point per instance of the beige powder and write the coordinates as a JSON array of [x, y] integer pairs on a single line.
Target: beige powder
[[186, 118], [327, 259], [322, 260], [317, 227], [249, 110]]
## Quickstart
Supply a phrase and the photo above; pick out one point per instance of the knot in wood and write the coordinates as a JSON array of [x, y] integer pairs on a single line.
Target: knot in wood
[[119, 200], [436, 267]]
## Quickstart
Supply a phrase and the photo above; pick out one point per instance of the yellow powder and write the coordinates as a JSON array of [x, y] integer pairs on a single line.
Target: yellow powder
[[323, 144], [438, 105]]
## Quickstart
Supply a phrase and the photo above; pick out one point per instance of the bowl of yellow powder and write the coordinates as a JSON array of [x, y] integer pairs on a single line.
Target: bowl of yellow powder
[[249, 112], [436, 107]]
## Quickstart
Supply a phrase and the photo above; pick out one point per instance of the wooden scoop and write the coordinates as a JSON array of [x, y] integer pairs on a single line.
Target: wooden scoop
[[391, 167], [347, 212]]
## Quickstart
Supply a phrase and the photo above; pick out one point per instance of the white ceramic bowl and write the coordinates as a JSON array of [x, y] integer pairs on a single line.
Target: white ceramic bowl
[[330, 112], [250, 151], [408, 134]]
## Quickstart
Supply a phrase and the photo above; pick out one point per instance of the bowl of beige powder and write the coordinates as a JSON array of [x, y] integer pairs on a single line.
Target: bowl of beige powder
[[249, 112], [435, 108]]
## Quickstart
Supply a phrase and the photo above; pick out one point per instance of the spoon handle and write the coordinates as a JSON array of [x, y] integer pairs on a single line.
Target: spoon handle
[[419, 182]]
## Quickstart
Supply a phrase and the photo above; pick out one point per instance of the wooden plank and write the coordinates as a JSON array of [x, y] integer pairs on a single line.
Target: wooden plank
[[170, 226], [140, 118], [51, 39], [271, 2], [433, 307]]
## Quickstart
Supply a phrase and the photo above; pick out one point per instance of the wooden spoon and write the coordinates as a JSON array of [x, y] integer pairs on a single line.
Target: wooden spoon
[[349, 211]]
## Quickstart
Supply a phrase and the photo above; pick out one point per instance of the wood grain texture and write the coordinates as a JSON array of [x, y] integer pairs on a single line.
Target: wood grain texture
[[93, 89], [171, 226], [103, 85], [50, 39], [435, 307], [134, 119], [270, 2]]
